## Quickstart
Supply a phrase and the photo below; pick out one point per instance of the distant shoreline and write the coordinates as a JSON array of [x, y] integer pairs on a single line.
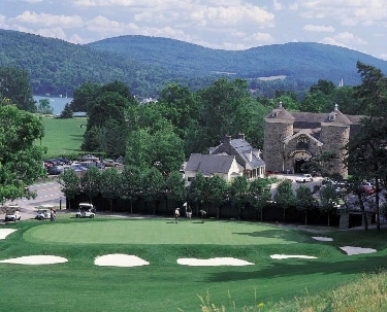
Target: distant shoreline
[[57, 103]]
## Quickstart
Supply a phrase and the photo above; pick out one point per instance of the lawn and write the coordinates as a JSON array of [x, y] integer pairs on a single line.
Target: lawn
[[163, 285], [63, 136]]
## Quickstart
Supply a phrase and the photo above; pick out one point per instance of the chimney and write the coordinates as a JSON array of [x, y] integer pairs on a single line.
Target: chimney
[[227, 139], [241, 136]]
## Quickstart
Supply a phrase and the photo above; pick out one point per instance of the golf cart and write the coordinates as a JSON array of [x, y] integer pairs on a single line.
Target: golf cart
[[85, 210], [43, 212]]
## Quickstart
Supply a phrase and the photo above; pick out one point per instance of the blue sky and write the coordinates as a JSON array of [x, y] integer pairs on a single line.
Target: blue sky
[[221, 24]]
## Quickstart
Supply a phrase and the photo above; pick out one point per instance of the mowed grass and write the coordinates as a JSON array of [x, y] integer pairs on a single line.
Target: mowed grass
[[153, 231], [79, 285], [63, 136]]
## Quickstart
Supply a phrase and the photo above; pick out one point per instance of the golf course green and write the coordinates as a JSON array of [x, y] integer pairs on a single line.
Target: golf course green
[[165, 285]]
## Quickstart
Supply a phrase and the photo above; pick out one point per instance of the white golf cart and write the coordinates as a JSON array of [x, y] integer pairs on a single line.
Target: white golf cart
[[43, 212], [85, 210]]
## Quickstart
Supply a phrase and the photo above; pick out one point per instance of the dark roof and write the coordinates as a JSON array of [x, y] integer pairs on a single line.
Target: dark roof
[[280, 113], [305, 120], [209, 164], [245, 155]]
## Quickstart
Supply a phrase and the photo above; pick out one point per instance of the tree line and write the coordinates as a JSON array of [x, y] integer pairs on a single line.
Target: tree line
[[159, 136]]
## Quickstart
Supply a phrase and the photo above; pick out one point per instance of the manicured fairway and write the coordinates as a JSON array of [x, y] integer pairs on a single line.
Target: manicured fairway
[[63, 136], [164, 285], [161, 232]]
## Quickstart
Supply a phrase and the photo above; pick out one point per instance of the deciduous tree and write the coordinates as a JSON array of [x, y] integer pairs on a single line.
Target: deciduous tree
[[20, 152], [284, 197]]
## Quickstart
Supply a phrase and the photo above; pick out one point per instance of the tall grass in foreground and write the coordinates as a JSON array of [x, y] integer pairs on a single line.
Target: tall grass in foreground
[[368, 293]]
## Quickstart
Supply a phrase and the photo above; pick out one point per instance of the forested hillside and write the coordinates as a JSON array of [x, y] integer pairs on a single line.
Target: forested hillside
[[147, 64], [56, 66], [306, 62]]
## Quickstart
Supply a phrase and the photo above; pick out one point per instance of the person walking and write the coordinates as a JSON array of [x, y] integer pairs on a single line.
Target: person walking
[[189, 212], [52, 215], [177, 214], [203, 215]]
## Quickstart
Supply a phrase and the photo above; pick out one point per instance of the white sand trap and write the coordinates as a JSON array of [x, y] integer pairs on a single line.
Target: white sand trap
[[120, 260], [213, 262], [357, 250], [5, 232], [323, 239], [35, 260], [280, 257]]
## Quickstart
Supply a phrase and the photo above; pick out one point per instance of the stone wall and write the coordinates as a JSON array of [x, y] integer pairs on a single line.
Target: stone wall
[[290, 148], [335, 137], [273, 148]]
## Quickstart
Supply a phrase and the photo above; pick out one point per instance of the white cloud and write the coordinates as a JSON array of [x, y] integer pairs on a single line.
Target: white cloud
[[277, 5], [48, 20], [365, 12], [344, 39], [293, 7], [318, 28], [383, 56]]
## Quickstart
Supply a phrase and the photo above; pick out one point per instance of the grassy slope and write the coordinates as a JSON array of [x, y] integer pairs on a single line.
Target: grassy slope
[[164, 285], [63, 136]]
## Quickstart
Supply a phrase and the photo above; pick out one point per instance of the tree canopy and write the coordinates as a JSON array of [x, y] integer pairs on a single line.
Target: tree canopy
[[21, 155]]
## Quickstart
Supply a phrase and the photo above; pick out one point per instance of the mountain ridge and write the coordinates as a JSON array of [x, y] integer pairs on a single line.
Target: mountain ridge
[[146, 64]]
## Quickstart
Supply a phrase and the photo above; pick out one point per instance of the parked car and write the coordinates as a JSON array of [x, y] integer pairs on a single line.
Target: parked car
[[85, 210], [304, 178], [12, 215], [55, 170], [367, 188], [110, 163]]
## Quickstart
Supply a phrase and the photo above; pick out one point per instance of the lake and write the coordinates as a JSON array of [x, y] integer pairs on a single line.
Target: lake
[[57, 103]]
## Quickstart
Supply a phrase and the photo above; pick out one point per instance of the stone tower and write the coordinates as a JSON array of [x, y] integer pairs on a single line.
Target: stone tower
[[335, 130], [278, 126]]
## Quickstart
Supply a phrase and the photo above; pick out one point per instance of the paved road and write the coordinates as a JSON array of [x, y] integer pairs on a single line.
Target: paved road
[[295, 185], [48, 193]]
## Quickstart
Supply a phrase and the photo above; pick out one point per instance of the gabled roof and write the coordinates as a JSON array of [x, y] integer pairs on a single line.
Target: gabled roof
[[209, 164], [306, 132], [246, 156]]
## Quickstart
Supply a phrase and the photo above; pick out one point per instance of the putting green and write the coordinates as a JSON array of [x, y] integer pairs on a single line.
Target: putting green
[[160, 232]]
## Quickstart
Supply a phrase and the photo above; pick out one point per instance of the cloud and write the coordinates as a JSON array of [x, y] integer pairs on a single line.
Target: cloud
[[48, 20], [383, 56], [318, 28], [277, 5], [293, 7], [344, 39], [365, 12]]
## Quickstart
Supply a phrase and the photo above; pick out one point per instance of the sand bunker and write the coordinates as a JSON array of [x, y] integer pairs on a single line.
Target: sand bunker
[[5, 232], [357, 250], [120, 260], [323, 239], [280, 257], [213, 262], [35, 260]]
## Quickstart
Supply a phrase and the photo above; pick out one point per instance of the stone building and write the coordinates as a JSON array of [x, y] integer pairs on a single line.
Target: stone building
[[294, 138]]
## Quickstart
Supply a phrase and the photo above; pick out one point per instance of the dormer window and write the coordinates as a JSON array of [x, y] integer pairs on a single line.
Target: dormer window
[[332, 117], [274, 113]]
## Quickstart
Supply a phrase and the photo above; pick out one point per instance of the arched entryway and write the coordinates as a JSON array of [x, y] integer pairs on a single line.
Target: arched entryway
[[299, 159]]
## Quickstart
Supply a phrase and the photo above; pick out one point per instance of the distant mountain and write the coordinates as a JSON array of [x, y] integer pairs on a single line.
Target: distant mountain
[[305, 61], [58, 67], [146, 64]]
